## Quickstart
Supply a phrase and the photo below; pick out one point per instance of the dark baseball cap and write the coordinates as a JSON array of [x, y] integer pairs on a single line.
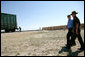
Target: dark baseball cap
[[68, 15]]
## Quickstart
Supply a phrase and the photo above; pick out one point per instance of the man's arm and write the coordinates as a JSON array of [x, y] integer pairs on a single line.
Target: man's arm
[[76, 28]]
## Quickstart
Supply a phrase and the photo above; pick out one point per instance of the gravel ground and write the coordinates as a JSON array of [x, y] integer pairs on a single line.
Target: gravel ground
[[38, 43]]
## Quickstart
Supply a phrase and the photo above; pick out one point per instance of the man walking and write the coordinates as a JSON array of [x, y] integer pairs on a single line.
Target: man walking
[[76, 30], [69, 34], [20, 29]]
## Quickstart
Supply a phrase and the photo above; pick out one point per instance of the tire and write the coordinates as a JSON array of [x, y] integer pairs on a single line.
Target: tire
[[13, 30], [6, 30]]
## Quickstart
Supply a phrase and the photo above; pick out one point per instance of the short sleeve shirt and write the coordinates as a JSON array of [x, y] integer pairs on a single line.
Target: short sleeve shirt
[[76, 21], [70, 23]]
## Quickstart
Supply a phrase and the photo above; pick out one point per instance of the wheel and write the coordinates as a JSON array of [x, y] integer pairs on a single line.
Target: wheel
[[6, 30], [13, 30]]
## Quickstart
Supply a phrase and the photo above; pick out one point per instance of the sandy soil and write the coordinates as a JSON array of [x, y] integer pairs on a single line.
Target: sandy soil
[[38, 43]]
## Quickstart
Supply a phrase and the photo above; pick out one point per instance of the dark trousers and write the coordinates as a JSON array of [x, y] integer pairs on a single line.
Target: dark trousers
[[79, 39], [69, 36]]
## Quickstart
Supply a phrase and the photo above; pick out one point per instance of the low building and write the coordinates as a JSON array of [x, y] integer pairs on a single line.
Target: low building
[[58, 27]]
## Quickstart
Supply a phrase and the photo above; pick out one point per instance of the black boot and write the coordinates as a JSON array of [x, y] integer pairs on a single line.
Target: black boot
[[67, 47], [73, 44], [82, 48]]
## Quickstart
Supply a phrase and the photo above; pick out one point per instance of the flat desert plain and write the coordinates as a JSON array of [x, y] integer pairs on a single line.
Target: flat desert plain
[[38, 43]]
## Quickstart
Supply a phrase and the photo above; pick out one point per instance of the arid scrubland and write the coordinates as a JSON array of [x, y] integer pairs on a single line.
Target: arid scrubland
[[37, 43]]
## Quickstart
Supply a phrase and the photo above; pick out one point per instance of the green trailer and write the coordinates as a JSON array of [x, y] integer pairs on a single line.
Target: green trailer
[[8, 22]]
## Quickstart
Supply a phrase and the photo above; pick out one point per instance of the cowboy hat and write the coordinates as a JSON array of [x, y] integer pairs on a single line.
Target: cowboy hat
[[74, 12]]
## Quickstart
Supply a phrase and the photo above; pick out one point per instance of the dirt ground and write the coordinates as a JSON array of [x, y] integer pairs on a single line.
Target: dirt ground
[[38, 43]]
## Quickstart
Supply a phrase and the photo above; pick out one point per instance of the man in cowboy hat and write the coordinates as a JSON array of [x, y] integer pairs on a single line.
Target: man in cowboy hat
[[76, 30]]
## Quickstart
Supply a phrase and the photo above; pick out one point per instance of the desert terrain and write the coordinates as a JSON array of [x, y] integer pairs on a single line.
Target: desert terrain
[[38, 43]]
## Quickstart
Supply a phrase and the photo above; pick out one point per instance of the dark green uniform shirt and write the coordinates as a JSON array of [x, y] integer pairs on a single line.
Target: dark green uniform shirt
[[76, 21]]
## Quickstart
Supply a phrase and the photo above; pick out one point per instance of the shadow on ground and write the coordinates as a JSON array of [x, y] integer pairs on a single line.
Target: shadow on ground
[[70, 53]]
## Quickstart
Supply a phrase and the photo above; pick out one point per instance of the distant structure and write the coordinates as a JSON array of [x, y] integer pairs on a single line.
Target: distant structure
[[40, 28], [59, 27]]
